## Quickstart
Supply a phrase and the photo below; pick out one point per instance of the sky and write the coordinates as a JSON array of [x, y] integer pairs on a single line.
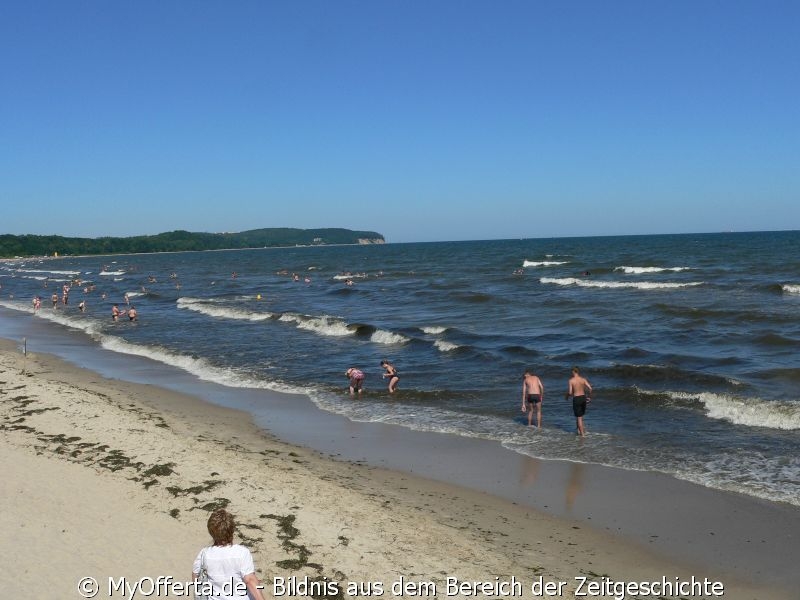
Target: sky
[[423, 121]]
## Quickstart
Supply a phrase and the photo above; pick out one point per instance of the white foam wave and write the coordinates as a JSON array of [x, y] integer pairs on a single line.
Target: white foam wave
[[387, 337], [433, 330], [640, 285], [111, 273], [791, 289], [542, 263], [444, 346], [752, 412], [213, 310], [71, 273], [323, 325], [640, 270], [135, 294], [199, 367], [352, 276]]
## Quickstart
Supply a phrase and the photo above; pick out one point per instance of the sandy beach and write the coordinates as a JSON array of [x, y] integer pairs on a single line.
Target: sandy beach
[[109, 480]]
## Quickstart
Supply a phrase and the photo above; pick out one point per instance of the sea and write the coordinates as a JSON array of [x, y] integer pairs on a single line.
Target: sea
[[691, 342]]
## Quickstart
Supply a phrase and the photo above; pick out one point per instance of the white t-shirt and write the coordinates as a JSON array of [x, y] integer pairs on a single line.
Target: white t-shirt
[[226, 566]]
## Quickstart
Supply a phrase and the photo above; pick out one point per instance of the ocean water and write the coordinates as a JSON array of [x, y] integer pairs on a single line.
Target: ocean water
[[690, 341]]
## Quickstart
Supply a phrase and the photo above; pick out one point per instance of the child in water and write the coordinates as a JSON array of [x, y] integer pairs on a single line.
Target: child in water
[[356, 377]]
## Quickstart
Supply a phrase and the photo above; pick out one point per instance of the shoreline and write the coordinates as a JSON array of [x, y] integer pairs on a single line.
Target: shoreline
[[587, 497], [169, 458]]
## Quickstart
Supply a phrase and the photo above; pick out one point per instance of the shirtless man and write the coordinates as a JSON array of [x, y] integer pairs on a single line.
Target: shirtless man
[[132, 313], [532, 397], [580, 390], [115, 312]]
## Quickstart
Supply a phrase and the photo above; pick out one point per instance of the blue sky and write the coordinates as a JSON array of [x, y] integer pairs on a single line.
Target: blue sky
[[420, 120]]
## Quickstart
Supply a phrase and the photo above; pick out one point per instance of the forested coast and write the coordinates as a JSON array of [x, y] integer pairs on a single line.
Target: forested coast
[[180, 241]]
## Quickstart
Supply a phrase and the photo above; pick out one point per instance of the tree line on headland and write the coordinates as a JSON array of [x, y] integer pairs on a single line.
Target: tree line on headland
[[181, 241]]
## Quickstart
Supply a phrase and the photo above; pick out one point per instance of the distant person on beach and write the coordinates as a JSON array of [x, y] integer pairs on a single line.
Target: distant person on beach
[[356, 377], [228, 567], [115, 313], [532, 397], [132, 313], [579, 389], [391, 374], [54, 298]]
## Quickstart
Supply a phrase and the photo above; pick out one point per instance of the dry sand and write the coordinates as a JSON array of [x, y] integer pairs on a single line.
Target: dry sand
[[109, 479]]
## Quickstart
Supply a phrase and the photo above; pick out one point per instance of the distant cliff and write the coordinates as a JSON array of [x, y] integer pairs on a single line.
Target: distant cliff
[[181, 241]]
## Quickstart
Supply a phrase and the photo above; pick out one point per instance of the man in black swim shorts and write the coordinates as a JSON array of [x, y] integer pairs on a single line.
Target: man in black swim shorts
[[532, 397], [579, 389]]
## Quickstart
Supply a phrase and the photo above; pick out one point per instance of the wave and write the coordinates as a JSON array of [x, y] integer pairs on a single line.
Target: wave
[[72, 273], [640, 285], [775, 414], [324, 325], [335, 327], [543, 263], [641, 270], [351, 276], [751, 412], [212, 310], [433, 330], [199, 367], [387, 337], [111, 273], [791, 289], [444, 346]]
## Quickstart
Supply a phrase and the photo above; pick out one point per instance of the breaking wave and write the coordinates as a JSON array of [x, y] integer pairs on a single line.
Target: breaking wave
[[641, 285], [543, 263], [640, 270], [750, 412], [214, 310]]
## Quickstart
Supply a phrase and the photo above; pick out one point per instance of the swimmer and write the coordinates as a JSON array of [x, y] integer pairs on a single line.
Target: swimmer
[[132, 316]]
